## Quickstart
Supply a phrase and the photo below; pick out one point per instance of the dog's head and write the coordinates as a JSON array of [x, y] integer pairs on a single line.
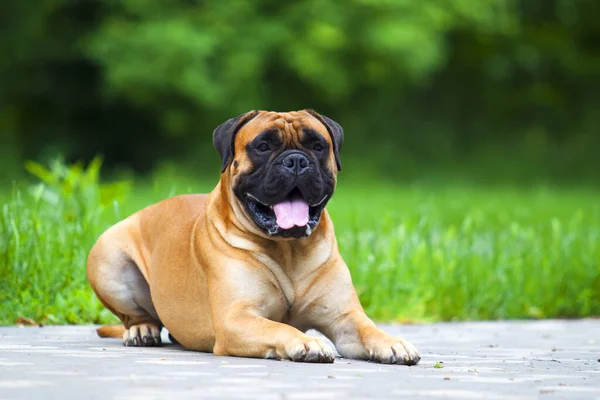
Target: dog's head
[[281, 167]]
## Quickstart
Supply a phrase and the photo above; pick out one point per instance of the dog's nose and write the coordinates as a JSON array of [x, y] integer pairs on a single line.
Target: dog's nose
[[296, 163]]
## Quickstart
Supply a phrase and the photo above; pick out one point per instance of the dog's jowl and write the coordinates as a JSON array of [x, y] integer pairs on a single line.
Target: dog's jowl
[[248, 268]]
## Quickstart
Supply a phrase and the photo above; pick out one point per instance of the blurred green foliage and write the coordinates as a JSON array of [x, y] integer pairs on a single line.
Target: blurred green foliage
[[491, 89], [45, 236]]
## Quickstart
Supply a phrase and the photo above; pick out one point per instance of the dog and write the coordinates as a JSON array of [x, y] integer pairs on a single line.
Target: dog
[[247, 269]]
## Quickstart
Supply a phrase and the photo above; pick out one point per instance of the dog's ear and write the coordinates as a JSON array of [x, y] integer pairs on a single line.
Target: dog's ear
[[335, 131], [224, 136]]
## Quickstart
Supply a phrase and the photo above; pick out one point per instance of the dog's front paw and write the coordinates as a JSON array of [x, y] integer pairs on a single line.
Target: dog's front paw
[[393, 351], [309, 349]]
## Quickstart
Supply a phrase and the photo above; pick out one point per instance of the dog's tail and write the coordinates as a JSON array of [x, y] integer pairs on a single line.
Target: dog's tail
[[111, 331]]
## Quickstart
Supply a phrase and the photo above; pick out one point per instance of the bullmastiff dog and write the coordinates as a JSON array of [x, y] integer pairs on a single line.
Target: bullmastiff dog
[[247, 269]]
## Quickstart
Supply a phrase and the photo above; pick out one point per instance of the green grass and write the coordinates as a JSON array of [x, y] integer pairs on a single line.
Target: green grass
[[450, 252]]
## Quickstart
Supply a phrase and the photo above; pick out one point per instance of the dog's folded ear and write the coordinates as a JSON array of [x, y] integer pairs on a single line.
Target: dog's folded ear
[[335, 131], [224, 136]]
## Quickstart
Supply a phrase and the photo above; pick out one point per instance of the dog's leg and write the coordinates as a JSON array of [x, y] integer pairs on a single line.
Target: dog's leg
[[338, 315], [356, 336], [245, 334], [121, 287], [245, 302]]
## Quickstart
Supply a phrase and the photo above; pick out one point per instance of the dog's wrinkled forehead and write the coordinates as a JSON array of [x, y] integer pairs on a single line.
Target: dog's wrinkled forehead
[[290, 126]]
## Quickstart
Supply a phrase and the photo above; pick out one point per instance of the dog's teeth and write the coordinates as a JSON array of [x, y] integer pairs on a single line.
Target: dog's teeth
[[271, 207]]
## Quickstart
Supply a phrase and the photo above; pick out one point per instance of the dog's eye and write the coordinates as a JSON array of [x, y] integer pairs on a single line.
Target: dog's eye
[[263, 147], [317, 147]]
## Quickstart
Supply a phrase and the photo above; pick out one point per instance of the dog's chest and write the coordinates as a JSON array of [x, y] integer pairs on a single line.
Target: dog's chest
[[283, 281], [294, 273]]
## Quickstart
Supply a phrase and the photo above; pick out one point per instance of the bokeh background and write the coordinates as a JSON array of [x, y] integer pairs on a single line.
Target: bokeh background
[[486, 90], [471, 171]]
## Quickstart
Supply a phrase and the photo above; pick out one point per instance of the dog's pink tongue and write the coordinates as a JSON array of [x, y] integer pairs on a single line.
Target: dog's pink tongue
[[291, 212]]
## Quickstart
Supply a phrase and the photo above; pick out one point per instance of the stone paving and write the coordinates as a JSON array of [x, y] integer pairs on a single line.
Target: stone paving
[[478, 360]]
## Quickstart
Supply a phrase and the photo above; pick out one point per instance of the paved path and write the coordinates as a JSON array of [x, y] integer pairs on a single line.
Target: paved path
[[492, 360]]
